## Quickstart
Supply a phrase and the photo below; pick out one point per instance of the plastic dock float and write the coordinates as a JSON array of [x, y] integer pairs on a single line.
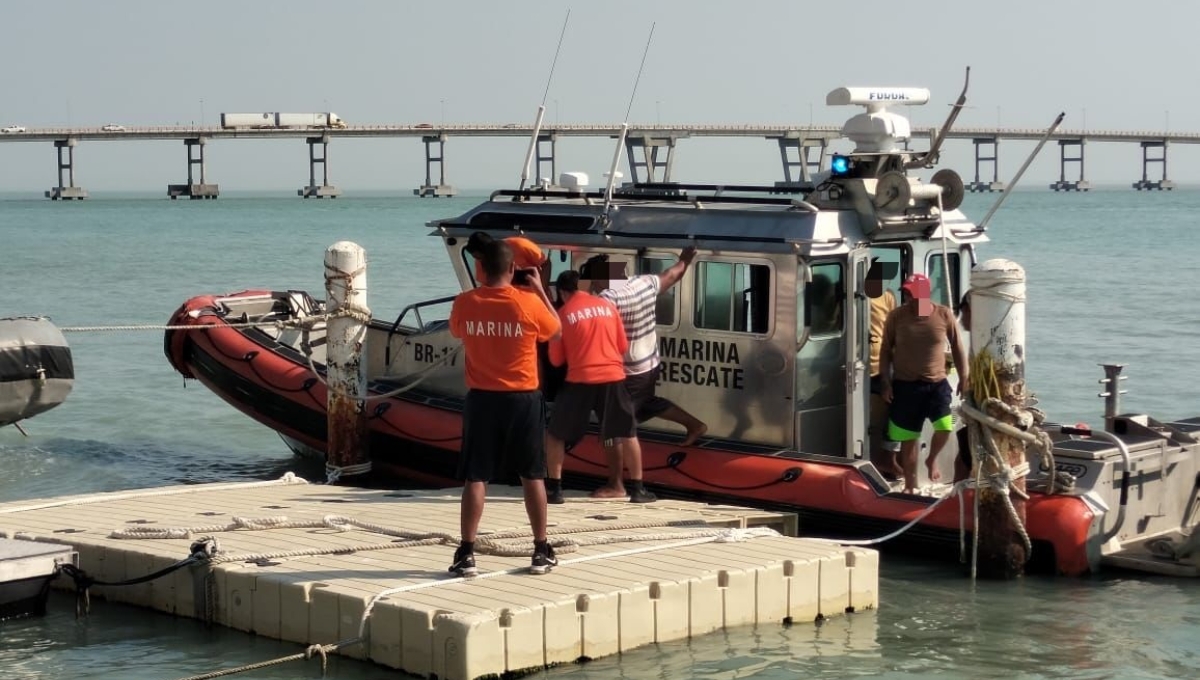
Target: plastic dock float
[[317, 564], [26, 569]]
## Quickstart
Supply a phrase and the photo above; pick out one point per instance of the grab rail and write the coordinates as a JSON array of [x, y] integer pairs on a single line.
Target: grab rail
[[416, 309]]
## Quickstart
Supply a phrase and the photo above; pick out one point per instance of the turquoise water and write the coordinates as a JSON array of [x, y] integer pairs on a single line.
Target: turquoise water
[[1111, 276]]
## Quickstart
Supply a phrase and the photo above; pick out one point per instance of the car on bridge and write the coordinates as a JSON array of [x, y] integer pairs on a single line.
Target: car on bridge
[[113, 127], [13, 129]]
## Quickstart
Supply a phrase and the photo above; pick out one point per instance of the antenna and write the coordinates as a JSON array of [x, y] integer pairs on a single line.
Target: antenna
[[537, 123], [930, 157], [1016, 178], [612, 172]]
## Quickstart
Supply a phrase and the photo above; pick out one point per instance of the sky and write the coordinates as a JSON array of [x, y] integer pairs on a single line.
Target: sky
[[474, 61]]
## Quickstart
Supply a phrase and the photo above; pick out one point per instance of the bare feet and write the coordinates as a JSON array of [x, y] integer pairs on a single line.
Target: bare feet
[[610, 492], [694, 433], [931, 466]]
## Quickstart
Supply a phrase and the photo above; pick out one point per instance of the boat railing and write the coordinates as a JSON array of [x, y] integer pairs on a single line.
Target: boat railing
[[415, 308], [678, 192]]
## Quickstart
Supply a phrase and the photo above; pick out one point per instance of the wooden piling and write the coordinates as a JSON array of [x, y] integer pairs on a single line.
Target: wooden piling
[[346, 334], [998, 371]]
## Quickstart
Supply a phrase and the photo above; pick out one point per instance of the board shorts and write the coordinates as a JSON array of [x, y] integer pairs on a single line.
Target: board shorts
[[914, 402], [503, 435]]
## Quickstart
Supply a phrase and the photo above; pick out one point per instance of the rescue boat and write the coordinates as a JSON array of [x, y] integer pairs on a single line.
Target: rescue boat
[[765, 339]]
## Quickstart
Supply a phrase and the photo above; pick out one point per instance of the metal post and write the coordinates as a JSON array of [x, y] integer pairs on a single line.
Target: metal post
[[346, 335], [1112, 393], [998, 340]]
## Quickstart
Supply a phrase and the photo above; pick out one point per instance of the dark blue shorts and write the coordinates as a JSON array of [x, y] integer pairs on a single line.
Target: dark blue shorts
[[914, 402]]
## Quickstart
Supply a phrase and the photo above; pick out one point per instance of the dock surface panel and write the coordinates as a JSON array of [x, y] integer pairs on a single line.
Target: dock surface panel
[[289, 568]]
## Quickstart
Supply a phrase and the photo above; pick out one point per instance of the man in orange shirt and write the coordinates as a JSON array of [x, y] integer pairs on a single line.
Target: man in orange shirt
[[593, 346], [504, 414]]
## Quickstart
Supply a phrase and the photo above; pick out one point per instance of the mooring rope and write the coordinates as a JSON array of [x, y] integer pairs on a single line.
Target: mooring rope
[[502, 544]]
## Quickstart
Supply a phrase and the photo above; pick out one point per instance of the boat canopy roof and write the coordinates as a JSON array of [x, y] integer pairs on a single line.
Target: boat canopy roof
[[730, 218]]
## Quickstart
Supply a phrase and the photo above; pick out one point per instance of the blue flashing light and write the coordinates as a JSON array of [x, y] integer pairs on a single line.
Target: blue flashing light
[[839, 165]]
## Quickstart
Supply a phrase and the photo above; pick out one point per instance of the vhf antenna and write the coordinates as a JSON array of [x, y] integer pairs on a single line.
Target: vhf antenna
[[612, 172], [537, 124]]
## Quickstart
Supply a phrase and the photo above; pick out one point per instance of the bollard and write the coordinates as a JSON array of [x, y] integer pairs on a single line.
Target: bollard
[[346, 451], [998, 370]]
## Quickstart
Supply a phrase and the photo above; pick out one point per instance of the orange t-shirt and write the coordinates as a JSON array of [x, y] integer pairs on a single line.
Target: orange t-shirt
[[526, 254], [593, 341], [500, 329]]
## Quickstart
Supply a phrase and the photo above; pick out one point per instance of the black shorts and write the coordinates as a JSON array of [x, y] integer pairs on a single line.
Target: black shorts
[[646, 404], [577, 401], [503, 435], [915, 401]]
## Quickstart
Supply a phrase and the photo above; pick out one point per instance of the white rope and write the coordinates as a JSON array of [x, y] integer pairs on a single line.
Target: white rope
[[287, 478], [170, 327], [419, 375], [334, 472], [955, 489]]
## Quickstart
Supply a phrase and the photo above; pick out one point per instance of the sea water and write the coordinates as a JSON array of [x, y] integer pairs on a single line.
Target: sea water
[[1112, 277]]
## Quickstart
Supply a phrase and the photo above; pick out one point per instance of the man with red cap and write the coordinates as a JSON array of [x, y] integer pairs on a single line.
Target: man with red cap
[[912, 365]]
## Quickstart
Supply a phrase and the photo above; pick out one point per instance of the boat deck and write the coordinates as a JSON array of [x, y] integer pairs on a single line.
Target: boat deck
[[322, 564]]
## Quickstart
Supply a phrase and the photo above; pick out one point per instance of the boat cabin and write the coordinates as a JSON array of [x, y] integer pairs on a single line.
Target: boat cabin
[[766, 337]]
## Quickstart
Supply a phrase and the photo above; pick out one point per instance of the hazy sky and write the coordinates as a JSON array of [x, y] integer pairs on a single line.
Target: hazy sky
[[152, 63]]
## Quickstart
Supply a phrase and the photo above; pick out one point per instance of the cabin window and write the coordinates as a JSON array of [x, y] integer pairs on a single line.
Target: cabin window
[[823, 299], [733, 296], [560, 261], [469, 260], [937, 280], [665, 306]]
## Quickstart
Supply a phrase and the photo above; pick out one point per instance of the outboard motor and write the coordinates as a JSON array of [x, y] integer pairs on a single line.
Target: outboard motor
[[36, 370]]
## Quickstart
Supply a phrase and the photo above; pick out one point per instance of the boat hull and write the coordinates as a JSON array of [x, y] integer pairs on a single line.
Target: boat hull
[[415, 436]]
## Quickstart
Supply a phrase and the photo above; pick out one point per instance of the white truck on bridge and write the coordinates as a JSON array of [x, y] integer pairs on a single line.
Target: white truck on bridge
[[234, 121]]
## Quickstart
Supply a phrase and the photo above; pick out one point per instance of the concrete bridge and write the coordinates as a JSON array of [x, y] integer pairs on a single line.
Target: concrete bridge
[[803, 150]]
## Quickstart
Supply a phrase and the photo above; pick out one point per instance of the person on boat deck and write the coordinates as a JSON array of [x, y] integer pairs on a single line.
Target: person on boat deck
[[882, 301], [504, 413], [592, 346], [636, 299], [526, 255], [912, 364]]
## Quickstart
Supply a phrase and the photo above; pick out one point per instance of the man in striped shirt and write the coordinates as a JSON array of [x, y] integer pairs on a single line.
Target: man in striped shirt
[[636, 299]]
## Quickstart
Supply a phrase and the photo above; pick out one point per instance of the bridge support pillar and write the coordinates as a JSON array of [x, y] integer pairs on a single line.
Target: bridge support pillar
[[324, 189], [1063, 184], [650, 159], [545, 159], [1147, 183], [441, 188], [194, 190], [68, 191], [802, 169], [983, 155]]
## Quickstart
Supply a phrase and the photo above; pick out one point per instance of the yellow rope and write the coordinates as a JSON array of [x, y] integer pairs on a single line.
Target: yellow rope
[[985, 382]]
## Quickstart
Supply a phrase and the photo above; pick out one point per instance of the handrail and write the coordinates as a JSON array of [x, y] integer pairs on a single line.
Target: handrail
[[414, 307]]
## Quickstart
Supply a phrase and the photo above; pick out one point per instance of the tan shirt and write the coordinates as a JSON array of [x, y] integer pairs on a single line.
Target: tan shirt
[[916, 345], [880, 307]]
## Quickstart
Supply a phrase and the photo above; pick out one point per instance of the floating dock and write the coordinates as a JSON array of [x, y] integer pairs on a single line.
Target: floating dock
[[317, 564]]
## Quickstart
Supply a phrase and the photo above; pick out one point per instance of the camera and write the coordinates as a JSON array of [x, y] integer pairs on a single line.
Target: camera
[[521, 277]]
